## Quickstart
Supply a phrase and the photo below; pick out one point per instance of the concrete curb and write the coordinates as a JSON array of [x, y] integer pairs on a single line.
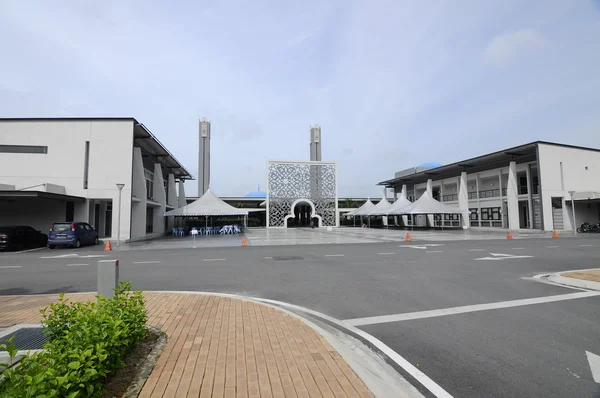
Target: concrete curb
[[146, 367], [579, 283]]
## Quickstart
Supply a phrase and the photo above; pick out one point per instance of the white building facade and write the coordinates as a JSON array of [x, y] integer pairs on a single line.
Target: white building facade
[[525, 187], [67, 169]]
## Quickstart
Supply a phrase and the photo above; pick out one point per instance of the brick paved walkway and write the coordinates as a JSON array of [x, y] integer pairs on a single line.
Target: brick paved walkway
[[224, 347]]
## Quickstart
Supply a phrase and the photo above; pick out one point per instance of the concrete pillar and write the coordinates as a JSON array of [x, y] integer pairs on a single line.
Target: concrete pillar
[[139, 200], [171, 199], [529, 198], [404, 218], [429, 190], [463, 198], [182, 201], [512, 198], [160, 196], [102, 220], [395, 194], [82, 211]]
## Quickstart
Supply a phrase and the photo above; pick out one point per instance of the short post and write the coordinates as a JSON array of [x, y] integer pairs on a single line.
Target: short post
[[108, 277], [194, 232]]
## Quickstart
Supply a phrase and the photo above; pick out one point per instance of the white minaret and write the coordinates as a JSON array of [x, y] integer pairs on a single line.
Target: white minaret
[[204, 157]]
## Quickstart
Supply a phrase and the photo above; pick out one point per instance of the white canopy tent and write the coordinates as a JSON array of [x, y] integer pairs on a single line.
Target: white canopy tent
[[398, 206], [428, 205], [363, 210], [208, 204], [380, 208]]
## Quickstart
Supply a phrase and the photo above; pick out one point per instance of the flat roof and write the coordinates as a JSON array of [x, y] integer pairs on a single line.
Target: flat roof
[[143, 138], [520, 154], [39, 195]]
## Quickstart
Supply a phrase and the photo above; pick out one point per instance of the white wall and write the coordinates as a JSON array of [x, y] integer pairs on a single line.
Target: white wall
[[575, 177], [110, 160]]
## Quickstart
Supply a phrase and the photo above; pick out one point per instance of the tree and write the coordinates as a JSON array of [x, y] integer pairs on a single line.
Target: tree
[[350, 203]]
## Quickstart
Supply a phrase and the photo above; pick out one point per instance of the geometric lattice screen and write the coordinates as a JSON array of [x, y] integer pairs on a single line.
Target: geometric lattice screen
[[289, 181]]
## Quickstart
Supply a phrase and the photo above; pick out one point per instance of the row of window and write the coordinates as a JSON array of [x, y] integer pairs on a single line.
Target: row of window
[[23, 149], [487, 214]]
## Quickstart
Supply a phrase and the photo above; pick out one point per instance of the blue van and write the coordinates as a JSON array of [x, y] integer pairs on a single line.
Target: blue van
[[73, 234]]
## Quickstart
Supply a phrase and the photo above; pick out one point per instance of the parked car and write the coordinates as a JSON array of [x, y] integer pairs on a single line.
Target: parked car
[[73, 234], [21, 237]]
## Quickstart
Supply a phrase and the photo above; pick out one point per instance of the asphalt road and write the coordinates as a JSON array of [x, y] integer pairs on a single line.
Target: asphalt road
[[531, 350]]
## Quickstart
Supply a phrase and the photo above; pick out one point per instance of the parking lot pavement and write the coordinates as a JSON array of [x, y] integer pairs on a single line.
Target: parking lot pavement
[[549, 329]]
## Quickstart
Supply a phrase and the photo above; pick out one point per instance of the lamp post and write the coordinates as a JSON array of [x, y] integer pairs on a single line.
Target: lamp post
[[120, 188], [572, 193]]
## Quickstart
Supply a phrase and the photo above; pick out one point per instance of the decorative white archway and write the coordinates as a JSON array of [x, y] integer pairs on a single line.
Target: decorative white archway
[[313, 213]]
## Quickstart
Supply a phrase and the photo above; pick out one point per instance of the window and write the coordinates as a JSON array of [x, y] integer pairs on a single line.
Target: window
[[490, 213], [87, 227], [473, 216], [23, 149]]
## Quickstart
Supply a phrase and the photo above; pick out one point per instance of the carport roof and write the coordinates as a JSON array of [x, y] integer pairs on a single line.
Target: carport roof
[[38, 195], [143, 138], [520, 154]]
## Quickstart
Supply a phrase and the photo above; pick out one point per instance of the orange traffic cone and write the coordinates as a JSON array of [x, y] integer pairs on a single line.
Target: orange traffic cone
[[107, 246], [244, 242], [408, 238], [554, 234], [509, 236]]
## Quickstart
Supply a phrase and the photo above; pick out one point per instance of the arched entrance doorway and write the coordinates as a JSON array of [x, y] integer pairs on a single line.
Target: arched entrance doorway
[[302, 214]]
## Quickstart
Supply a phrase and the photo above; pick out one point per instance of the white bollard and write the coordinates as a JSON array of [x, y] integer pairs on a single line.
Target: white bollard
[[108, 277]]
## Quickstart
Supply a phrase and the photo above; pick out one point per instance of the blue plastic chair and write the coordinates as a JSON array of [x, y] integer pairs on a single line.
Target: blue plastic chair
[[180, 232], [174, 232]]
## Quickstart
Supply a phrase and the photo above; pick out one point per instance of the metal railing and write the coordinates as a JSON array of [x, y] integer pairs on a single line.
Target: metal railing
[[489, 193], [450, 198]]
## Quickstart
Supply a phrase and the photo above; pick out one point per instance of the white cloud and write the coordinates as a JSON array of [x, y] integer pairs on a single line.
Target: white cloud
[[505, 48]]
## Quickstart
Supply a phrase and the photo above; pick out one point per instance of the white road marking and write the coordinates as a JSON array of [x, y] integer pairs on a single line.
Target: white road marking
[[75, 265], [422, 247], [29, 250], [500, 256], [385, 254], [10, 266], [586, 245], [214, 259], [467, 308], [594, 362], [334, 255], [518, 248], [75, 255], [551, 247], [268, 258], [146, 262], [475, 250], [434, 251]]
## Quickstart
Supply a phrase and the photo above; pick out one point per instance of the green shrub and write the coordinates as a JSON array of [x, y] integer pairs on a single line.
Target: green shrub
[[88, 343]]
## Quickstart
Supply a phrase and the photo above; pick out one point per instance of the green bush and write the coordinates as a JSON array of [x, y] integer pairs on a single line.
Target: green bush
[[88, 343]]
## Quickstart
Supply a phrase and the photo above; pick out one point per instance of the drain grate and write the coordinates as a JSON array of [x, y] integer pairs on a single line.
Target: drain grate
[[27, 338], [282, 258]]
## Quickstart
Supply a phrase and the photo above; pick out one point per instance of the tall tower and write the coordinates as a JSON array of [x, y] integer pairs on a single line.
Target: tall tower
[[204, 157], [315, 143]]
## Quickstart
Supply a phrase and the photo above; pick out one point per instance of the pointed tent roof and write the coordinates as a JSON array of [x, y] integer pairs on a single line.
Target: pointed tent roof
[[362, 210], [208, 204], [380, 208], [428, 205], [398, 206]]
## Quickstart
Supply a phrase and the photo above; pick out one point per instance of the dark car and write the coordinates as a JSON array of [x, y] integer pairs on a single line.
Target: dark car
[[21, 237], [73, 234]]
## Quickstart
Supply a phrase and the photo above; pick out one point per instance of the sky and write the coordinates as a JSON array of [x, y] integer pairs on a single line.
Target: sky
[[392, 83]]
